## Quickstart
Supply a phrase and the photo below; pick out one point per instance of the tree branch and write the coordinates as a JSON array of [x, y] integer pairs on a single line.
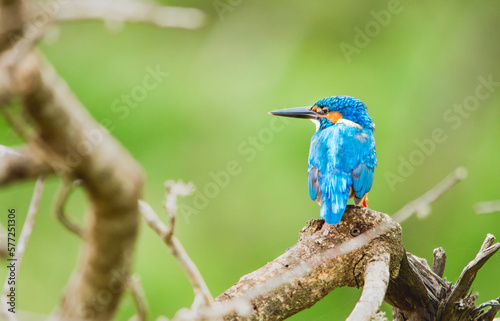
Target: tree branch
[[62, 196], [327, 271], [421, 206], [376, 280], [11, 25], [77, 146], [487, 207], [133, 11], [135, 287], [414, 290], [439, 261], [464, 282], [199, 286], [21, 165]]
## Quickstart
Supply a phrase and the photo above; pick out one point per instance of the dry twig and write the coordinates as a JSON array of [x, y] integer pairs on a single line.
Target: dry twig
[[135, 288], [202, 293], [133, 11], [62, 197], [21, 245], [421, 206], [487, 207]]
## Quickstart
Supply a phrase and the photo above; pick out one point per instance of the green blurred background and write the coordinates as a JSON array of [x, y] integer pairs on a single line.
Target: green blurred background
[[411, 68]]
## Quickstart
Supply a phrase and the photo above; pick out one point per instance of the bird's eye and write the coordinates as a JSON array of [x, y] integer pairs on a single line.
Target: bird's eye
[[355, 231], [326, 110]]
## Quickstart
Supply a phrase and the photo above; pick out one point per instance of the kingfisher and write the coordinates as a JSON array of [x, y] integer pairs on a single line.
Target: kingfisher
[[342, 157]]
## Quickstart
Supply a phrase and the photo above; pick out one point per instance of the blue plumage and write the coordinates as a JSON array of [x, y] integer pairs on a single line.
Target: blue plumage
[[342, 155]]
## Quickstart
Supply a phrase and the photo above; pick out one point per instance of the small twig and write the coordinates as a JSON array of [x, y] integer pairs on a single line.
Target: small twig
[[487, 207], [489, 315], [488, 241], [439, 261], [23, 241], [135, 287], [421, 206], [62, 197], [464, 282], [133, 11], [173, 190], [199, 286], [376, 282]]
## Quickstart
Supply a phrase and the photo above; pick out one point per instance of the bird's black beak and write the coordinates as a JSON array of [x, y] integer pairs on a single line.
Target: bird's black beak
[[298, 112]]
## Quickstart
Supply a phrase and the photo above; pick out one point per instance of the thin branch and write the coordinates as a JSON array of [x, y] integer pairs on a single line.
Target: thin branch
[[489, 315], [421, 206], [62, 197], [487, 207], [464, 282], [30, 220], [439, 261], [177, 250], [133, 11], [25, 45], [173, 190], [22, 242], [141, 305], [376, 282]]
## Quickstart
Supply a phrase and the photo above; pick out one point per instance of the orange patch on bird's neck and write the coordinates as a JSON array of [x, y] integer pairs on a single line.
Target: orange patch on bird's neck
[[333, 117]]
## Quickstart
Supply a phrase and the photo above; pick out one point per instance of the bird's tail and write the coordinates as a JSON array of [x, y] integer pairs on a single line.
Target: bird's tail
[[333, 208]]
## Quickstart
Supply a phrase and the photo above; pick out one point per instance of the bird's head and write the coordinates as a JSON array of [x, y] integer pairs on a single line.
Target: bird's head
[[332, 110]]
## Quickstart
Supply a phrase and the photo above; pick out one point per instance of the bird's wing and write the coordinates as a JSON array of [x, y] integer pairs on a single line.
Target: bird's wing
[[314, 190], [365, 162], [329, 181], [341, 157]]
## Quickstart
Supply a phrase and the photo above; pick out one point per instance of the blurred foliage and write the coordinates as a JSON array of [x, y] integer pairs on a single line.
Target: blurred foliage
[[211, 110]]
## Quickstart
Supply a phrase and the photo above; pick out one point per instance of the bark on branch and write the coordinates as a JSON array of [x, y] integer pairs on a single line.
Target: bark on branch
[[413, 289], [317, 241]]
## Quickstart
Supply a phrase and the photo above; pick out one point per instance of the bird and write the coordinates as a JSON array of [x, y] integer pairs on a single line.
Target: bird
[[342, 155]]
